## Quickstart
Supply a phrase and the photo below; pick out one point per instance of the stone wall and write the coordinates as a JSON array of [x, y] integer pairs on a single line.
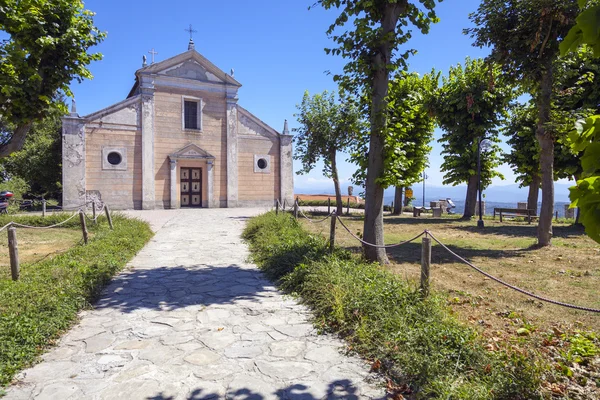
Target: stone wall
[[170, 137]]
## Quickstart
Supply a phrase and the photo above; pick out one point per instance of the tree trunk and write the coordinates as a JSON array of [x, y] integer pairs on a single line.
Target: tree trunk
[[398, 201], [339, 205], [546, 140], [534, 191], [471, 198], [373, 225], [17, 140]]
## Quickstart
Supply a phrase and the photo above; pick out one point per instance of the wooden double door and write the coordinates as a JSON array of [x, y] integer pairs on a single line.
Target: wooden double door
[[191, 187]]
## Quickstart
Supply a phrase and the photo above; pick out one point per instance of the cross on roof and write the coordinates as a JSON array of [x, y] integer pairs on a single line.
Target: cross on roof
[[153, 52], [191, 31]]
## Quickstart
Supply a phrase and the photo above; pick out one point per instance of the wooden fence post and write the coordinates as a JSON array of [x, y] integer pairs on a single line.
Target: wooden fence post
[[83, 226], [425, 264], [329, 205], [348, 207], [43, 208], [332, 233], [296, 209], [13, 252], [108, 217], [277, 207], [94, 212]]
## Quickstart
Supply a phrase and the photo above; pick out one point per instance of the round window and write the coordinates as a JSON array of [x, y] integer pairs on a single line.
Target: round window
[[114, 158], [262, 163]]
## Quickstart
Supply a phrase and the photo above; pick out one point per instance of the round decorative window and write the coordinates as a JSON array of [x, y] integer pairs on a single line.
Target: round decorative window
[[262, 163], [114, 158]]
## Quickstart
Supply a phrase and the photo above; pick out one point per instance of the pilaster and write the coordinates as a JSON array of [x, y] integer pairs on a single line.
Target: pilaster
[[174, 198], [73, 161], [232, 149], [286, 166], [211, 184], [147, 118]]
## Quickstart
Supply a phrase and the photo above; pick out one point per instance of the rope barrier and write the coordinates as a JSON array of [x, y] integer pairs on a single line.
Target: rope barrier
[[43, 227], [315, 221], [389, 246], [6, 226], [508, 285]]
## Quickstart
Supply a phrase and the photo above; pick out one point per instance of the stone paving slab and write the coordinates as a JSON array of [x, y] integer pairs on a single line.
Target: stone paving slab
[[190, 318]]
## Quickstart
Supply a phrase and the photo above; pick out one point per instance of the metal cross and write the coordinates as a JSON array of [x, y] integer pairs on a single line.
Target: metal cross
[[153, 54], [191, 31]]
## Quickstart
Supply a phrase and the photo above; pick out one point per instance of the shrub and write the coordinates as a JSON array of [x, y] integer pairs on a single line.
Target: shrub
[[416, 341]]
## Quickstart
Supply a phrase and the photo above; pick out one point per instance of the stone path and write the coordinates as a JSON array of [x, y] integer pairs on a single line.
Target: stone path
[[192, 319]]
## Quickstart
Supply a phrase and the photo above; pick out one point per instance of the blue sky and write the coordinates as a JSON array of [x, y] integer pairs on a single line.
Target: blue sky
[[276, 48]]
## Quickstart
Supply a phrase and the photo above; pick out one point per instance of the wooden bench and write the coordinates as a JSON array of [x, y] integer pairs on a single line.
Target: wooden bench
[[515, 212]]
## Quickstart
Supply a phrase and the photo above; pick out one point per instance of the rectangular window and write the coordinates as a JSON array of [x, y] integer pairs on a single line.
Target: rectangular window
[[191, 114]]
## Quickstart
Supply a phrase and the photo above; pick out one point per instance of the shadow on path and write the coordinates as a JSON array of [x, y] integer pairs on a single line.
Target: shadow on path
[[339, 389], [170, 288]]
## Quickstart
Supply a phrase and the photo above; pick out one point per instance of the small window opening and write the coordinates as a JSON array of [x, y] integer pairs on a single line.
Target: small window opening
[[262, 163], [191, 114], [114, 158]]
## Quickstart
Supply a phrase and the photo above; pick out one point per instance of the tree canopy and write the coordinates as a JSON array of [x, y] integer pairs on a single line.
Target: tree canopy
[[47, 48], [524, 36], [586, 137], [470, 106], [371, 47], [326, 127], [409, 131]]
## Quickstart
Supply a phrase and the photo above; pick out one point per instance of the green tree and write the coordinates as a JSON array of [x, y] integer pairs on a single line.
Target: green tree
[[470, 106], [39, 163], [326, 127], [524, 155], [524, 36], [47, 48], [586, 137], [409, 131], [371, 45]]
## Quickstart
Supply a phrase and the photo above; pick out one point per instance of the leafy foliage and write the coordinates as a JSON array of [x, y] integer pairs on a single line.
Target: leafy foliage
[[326, 127], [415, 341], [469, 107], [361, 44], [35, 310], [586, 137], [524, 156], [524, 36], [585, 30], [39, 163], [380, 28], [408, 132], [47, 48]]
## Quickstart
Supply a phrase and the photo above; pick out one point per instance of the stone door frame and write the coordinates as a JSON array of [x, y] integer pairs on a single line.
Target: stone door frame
[[192, 152]]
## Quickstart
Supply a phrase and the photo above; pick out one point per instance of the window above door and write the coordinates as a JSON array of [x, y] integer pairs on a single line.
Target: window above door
[[191, 113]]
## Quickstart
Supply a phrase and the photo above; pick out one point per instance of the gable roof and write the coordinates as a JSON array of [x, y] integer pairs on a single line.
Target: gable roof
[[191, 151], [190, 55]]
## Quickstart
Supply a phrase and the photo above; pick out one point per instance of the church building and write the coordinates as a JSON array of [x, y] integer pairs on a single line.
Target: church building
[[179, 139]]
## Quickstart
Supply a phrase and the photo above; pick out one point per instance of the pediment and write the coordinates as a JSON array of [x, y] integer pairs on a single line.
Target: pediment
[[191, 151], [191, 69], [190, 65]]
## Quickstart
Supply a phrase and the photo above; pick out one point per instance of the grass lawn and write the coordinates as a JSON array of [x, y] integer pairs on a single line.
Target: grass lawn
[[59, 277], [569, 271]]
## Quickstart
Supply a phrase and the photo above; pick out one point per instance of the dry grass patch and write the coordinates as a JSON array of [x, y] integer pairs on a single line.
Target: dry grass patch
[[568, 271], [36, 245]]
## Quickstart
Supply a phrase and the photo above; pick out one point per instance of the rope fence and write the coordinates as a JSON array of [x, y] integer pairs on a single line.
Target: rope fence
[[426, 258], [12, 226]]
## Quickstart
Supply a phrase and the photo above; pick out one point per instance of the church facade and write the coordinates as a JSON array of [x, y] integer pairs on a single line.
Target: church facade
[[179, 139]]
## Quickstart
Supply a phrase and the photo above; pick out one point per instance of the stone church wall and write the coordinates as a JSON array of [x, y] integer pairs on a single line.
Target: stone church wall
[[170, 137], [120, 189], [258, 188]]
